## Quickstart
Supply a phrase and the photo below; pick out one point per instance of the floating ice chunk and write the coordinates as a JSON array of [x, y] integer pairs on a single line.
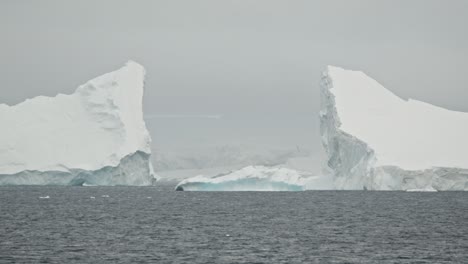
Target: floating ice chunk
[[427, 189], [252, 178]]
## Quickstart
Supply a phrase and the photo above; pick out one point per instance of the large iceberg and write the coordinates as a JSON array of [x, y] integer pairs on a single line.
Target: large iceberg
[[95, 136], [376, 140], [256, 178]]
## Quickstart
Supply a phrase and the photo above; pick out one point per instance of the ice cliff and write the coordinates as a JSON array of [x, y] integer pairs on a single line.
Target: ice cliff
[[95, 136], [376, 140]]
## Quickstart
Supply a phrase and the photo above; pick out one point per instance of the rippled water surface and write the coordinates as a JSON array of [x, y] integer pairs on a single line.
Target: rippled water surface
[[158, 225]]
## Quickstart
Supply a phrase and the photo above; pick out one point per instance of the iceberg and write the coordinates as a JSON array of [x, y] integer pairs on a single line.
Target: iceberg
[[254, 178], [376, 140], [428, 189], [95, 136]]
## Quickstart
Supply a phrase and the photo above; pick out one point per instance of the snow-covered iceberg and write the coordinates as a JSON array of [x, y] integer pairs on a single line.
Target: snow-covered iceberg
[[255, 178], [376, 140], [95, 136]]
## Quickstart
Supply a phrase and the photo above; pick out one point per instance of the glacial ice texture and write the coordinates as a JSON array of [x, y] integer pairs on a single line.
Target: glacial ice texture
[[255, 178], [95, 136], [376, 140]]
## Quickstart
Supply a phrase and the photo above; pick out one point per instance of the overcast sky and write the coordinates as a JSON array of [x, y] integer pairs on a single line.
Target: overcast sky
[[235, 72]]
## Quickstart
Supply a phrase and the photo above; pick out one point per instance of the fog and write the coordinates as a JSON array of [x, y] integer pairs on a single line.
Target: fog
[[235, 72]]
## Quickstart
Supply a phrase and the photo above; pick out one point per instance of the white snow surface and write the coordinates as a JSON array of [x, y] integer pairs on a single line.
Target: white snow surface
[[95, 136], [257, 178], [377, 140]]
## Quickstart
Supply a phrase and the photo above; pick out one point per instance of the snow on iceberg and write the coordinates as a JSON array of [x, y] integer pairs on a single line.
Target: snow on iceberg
[[95, 136], [254, 178], [376, 140]]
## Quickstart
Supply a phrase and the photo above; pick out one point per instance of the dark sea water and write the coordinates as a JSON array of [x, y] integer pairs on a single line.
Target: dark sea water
[[158, 225]]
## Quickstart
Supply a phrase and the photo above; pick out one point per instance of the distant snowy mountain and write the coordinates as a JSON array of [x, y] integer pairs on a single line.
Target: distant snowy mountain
[[224, 156], [95, 136], [377, 141], [241, 168]]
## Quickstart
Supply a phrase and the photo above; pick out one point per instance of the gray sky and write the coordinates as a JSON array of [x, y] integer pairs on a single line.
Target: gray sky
[[254, 63]]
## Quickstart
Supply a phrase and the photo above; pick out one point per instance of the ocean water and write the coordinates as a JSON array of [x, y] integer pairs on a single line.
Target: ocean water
[[158, 225]]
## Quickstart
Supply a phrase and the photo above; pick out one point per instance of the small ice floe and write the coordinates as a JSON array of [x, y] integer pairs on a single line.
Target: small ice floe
[[92, 197], [427, 189], [105, 196], [44, 197]]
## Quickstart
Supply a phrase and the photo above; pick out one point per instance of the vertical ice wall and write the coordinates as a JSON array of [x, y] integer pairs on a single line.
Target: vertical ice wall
[[376, 140]]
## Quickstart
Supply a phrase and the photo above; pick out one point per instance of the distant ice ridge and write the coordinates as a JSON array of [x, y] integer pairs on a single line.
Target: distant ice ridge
[[256, 178], [377, 141], [95, 136], [228, 155]]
